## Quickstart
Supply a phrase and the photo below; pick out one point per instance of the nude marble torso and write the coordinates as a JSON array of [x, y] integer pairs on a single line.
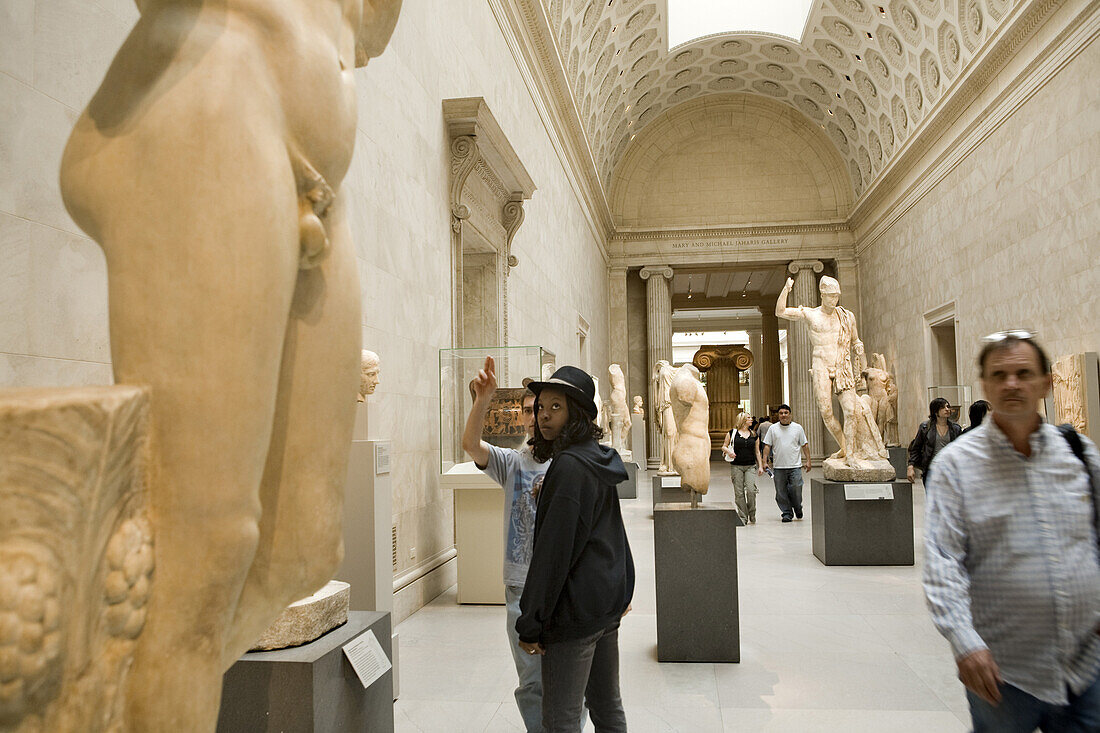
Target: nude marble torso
[[208, 167]]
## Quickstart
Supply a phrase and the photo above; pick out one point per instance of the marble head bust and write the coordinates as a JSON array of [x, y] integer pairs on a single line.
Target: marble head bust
[[368, 376]]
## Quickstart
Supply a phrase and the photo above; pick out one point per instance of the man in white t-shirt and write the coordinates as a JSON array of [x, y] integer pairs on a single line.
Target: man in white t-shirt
[[520, 476], [784, 443]]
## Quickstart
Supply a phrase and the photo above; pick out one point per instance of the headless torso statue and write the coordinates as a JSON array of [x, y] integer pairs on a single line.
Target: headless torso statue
[[835, 339], [619, 421], [208, 167]]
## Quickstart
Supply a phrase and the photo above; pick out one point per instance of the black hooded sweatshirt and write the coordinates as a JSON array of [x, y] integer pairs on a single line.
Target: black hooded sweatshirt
[[581, 577]]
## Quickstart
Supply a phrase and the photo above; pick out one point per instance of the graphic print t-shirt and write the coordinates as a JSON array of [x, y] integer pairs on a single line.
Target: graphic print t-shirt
[[518, 473]]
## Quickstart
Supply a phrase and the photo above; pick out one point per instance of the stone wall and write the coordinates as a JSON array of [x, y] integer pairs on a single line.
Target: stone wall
[[1009, 236], [53, 295]]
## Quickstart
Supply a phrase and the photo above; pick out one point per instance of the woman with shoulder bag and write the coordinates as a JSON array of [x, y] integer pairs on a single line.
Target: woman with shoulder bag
[[932, 435]]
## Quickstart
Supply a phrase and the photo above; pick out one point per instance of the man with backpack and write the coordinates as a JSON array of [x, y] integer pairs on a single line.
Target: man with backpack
[[1011, 574]]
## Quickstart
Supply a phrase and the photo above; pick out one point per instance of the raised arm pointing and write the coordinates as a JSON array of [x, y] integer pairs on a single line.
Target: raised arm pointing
[[781, 309]]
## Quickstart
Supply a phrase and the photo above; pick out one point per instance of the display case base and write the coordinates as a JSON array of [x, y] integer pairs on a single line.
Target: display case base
[[311, 688], [899, 459], [859, 531], [695, 564]]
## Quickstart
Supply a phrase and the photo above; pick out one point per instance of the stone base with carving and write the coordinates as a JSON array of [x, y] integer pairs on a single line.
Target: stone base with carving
[[76, 554], [836, 469], [308, 619]]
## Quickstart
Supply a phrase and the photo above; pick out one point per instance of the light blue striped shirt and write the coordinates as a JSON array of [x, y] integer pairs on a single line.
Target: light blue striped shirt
[[1011, 557]]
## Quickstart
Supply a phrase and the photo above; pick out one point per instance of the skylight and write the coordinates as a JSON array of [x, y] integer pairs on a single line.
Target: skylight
[[690, 19]]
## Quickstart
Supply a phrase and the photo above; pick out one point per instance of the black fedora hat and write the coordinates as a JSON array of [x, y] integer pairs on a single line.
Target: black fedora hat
[[574, 382]]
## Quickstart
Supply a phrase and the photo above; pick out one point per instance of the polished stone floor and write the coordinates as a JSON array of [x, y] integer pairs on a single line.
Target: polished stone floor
[[845, 649]]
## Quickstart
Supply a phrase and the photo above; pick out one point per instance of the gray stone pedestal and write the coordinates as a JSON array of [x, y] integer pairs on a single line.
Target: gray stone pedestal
[[854, 531], [311, 688], [629, 489], [899, 459], [695, 554]]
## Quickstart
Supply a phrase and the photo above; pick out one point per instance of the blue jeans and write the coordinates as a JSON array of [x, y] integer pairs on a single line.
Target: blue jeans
[[582, 671], [788, 491], [528, 667], [1020, 712]]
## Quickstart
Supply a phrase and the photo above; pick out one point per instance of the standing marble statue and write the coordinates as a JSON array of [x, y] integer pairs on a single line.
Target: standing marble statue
[[666, 423], [883, 391], [691, 410], [620, 415], [639, 408], [208, 167], [862, 455]]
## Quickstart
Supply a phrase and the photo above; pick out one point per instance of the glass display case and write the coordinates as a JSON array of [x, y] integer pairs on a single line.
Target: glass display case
[[958, 396], [504, 423]]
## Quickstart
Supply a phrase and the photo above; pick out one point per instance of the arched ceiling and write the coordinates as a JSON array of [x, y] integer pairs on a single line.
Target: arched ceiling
[[867, 71]]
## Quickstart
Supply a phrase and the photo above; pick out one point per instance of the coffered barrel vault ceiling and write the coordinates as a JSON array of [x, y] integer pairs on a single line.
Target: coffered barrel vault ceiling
[[868, 72]]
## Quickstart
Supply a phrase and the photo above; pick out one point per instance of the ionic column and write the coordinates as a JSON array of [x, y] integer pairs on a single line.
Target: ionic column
[[799, 354], [756, 383], [771, 368], [658, 321]]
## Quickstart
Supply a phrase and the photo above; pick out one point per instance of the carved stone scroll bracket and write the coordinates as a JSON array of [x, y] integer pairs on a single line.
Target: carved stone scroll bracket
[[512, 217], [76, 554]]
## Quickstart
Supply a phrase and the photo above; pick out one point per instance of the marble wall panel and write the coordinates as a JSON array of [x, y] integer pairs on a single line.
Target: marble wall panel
[[1010, 235]]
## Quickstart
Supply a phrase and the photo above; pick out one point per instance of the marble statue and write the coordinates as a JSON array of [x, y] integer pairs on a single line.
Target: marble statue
[[691, 410], [862, 455], [620, 415], [1070, 399], [208, 167], [666, 423], [883, 391], [368, 374], [639, 408], [601, 411]]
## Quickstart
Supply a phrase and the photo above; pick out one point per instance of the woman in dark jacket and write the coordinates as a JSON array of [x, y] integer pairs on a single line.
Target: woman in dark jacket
[[581, 577], [932, 435]]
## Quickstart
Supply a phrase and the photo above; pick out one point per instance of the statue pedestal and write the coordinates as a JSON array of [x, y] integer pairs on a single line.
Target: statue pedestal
[[862, 523], [311, 688], [695, 564], [666, 490], [368, 519], [629, 489], [637, 439]]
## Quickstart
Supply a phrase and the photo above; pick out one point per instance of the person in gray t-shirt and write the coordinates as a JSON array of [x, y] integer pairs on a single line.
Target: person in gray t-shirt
[[520, 475]]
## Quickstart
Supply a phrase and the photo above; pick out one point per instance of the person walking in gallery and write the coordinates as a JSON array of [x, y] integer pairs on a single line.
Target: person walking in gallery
[[518, 472], [932, 436], [784, 443], [742, 451], [581, 577], [762, 430], [1011, 571], [978, 411]]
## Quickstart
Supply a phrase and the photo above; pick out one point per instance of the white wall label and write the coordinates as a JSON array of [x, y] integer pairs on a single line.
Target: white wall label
[[381, 457], [670, 482], [367, 658], [868, 491]]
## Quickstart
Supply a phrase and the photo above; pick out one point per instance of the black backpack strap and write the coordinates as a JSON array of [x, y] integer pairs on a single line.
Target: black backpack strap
[[1078, 449]]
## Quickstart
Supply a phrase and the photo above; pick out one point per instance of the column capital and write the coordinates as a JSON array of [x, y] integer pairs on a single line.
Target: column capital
[[617, 271], [796, 266], [663, 270]]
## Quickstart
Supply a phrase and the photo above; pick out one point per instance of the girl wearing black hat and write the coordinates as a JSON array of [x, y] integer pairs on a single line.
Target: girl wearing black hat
[[581, 577]]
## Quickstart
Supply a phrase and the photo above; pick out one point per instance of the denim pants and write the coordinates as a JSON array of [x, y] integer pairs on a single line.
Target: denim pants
[[788, 491], [1020, 712], [582, 671], [744, 490], [528, 667]]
